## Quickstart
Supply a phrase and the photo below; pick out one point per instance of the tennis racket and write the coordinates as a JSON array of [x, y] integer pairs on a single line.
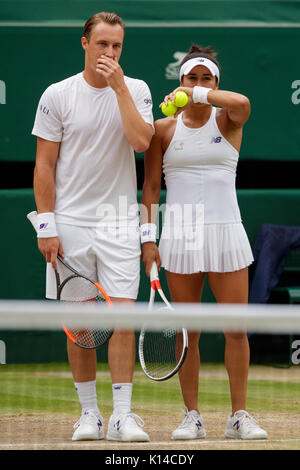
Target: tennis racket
[[75, 287], [161, 353]]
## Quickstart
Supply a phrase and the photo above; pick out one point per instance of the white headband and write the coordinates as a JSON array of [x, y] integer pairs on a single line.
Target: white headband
[[190, 64]]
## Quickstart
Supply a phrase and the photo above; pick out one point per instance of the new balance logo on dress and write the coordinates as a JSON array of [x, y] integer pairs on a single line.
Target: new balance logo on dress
[[216, 140]]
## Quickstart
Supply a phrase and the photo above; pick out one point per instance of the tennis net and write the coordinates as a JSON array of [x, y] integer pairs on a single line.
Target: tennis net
[[39, 403], [269, 318]]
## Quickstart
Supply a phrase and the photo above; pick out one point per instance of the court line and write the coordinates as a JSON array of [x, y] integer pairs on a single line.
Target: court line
[[107, 444]]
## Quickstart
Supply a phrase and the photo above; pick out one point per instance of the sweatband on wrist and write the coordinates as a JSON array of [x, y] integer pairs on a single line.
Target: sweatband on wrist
[[148, 233], [200, 94], [46, 225]]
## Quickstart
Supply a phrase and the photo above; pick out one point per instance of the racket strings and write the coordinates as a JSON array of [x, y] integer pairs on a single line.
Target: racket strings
[[161, 352], [76, 290], [90, 338]]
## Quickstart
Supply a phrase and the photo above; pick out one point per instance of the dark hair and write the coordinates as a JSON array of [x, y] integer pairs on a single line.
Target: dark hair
[[102, 17], [200, 51]]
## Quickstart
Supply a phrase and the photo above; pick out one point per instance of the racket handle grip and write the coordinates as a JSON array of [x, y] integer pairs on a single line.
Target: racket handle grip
[[154, 272], [32, 216]]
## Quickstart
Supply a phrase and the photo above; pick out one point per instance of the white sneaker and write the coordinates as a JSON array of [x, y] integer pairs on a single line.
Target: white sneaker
[[126, 427], [243, 426], [191, 426], [89, 427]]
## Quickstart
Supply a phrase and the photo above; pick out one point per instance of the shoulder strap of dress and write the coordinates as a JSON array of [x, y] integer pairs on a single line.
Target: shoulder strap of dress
[[179, 125], [179, 117], [213, 115]]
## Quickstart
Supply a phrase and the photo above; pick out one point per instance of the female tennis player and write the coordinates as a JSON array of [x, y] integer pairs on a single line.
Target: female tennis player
[[198, 151]]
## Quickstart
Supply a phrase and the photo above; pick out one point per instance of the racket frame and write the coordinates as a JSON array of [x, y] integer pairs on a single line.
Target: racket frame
[[32, 217], [156, 286]]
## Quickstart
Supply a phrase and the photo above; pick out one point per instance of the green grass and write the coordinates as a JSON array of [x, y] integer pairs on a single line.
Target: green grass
[[49, 388]]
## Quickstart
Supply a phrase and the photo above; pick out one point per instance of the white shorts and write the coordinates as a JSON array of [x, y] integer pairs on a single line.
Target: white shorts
[[113, 261]]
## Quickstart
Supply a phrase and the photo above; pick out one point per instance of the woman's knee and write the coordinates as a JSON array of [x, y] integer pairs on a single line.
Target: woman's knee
[[193, 339], [236, 336]]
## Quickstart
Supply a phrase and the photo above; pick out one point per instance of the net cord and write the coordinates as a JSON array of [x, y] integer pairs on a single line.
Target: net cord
[[49, 315]]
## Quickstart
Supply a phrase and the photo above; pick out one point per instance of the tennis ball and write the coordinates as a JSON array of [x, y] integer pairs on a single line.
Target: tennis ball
[[170, 109], [181, 99]]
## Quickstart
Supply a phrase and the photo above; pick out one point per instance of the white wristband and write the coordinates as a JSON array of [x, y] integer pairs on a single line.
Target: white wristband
[[200, 94], [46, 225], [148, 233]]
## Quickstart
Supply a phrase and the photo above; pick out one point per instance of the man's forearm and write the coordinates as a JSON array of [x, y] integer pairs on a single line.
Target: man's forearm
[[44, 188], [137, 131]]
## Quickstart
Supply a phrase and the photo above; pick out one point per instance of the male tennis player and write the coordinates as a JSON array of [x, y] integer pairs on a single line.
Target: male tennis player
[[87, 129]]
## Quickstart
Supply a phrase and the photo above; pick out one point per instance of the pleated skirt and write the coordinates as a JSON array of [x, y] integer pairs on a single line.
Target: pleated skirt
[[219, 248]]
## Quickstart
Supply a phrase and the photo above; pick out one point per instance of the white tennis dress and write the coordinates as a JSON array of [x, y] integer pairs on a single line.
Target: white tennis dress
[[202, 228]]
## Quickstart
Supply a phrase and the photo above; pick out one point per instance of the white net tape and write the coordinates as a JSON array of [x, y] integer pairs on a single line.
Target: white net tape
[[270, 318]]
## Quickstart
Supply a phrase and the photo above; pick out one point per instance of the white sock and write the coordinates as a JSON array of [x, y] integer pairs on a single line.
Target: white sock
[[87, 395], [122, 397]]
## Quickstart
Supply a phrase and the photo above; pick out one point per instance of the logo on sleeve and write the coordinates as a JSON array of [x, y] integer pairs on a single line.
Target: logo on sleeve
[[44, 109], [148, 101]]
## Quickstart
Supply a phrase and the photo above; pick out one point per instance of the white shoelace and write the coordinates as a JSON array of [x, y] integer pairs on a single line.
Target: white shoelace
[[246, 420], [189, 418], [134, 416], [87, 417]]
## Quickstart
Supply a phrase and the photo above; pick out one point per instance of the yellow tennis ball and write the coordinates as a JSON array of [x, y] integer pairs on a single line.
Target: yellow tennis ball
[[181, 99], [169, 110]]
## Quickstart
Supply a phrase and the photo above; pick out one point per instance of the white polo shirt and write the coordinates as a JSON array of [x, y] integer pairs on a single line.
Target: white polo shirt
[[95, 173]]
